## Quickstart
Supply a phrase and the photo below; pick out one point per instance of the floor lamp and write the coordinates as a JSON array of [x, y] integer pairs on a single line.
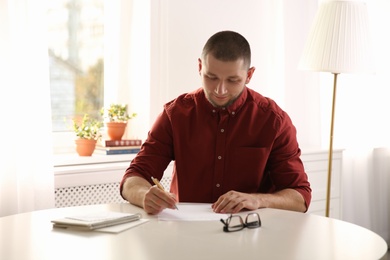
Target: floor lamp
[[338, 43]]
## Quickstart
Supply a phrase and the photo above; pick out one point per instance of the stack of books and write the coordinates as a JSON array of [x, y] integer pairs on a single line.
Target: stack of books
[[124, 146]]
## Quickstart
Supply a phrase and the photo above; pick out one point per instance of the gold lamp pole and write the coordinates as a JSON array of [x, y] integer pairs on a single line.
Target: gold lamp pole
[[330, 153], [338, 43]]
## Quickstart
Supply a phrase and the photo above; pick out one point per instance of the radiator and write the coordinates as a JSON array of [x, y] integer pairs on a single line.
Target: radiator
[[87, 195], [93, 194]]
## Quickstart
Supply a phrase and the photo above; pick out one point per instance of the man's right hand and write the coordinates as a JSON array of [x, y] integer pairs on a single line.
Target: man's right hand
[[156, 200]]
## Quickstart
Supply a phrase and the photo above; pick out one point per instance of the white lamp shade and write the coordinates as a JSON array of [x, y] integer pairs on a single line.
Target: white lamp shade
[[339, 40]]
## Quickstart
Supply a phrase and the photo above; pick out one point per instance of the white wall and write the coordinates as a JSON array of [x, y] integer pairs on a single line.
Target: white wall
[[276, 30]]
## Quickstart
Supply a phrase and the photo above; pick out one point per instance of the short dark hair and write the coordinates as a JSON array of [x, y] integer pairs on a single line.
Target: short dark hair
[[228, 46]]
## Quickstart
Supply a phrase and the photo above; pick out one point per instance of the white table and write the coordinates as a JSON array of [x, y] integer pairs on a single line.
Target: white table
[[283, 235]]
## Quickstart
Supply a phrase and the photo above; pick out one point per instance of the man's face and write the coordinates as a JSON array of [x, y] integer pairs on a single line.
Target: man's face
[[223, 81]]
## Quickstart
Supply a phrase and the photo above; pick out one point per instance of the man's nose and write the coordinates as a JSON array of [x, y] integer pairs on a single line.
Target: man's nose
[[221, 89]]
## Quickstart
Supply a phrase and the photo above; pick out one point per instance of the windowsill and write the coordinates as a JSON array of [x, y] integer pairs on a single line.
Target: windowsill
[[64, 150], [72, 159]]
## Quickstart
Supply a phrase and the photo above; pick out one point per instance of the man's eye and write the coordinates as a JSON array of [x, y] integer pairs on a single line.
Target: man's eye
[[211, 77], [234, 80]]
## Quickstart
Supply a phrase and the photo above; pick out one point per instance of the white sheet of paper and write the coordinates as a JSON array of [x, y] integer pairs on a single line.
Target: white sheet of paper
[[191, 212]]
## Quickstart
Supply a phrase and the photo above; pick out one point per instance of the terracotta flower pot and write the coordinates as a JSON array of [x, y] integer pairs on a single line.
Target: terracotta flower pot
[[85, 147], [115, 130]]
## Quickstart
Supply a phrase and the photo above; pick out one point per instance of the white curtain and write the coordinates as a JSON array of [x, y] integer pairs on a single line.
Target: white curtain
[[26, 171], [127, 60]]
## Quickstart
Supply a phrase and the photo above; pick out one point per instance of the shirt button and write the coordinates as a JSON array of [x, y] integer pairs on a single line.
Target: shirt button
[[214, 111], [222, 130], [233, 113], [218, 185], [219, 157]]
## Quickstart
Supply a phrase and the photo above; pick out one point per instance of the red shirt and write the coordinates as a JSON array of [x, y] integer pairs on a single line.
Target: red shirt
[[250, 147]]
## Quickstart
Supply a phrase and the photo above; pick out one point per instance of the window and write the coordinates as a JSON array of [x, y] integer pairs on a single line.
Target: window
[[76, 59], [99, 53]]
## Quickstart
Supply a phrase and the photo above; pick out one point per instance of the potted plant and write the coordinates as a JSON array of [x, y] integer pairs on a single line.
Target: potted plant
[[88, 132], [116, 117]]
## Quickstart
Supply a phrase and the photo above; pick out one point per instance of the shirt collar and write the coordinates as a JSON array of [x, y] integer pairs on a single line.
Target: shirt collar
[[232, 108], [238, 103]]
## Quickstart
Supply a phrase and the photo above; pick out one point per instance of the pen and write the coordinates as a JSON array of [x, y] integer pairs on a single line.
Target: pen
[[160, 186]]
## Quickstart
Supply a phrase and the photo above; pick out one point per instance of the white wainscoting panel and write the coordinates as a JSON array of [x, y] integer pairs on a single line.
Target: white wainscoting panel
[[98, 183]]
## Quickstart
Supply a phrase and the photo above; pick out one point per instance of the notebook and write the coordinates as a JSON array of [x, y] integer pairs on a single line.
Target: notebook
[[97, 220]]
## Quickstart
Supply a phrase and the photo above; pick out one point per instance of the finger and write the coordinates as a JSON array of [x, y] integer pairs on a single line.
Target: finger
[[152, 208], [220, 204], [231, 202], [174, 201], [156, 200], [235, 208], [151, 201], [168, 199], [230, 207]]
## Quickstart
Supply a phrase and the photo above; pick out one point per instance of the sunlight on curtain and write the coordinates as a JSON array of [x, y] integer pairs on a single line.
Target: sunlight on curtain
[[26, 172], [127, 60]]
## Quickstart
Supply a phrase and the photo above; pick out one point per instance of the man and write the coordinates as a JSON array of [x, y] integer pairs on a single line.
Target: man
[[232, 147]]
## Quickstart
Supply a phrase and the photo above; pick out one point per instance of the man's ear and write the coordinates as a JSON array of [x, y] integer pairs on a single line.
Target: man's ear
[[250, 74], [199, 65]]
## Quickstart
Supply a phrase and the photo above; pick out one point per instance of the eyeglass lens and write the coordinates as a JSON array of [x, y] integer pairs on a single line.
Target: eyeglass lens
[[235, 223], [252, 220]]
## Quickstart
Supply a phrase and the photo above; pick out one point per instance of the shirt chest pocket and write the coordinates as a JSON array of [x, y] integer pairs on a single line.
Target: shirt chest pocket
[[246, 166]]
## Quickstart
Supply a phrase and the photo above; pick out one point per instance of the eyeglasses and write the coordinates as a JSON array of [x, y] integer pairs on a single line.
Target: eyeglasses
[[236, 223]]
